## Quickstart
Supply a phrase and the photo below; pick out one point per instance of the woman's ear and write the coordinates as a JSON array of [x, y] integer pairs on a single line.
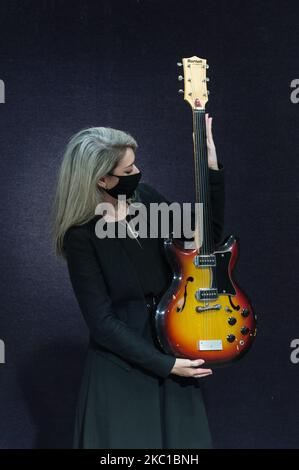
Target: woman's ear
[[102, 182]]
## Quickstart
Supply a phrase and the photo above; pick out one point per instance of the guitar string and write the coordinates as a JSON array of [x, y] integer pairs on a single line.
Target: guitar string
[[197, 180], [196, 167], [198, 186], [202, 180], [209, 217], [199, 152], [200, 183], [205, 189], [201, 116]]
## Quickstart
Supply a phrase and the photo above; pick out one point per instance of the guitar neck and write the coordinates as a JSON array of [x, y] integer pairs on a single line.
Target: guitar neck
[[202, 187]]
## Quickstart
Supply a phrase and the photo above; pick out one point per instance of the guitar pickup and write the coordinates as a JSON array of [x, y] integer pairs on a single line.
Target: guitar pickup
[[206, 294], [204, 261]]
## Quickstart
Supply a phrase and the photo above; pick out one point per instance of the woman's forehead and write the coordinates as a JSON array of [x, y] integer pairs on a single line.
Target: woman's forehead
[[128, 159]]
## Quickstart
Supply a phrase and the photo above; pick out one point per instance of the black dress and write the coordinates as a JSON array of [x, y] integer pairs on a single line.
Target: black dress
[[128, 398], [145, 253], [149, 263], [155, 276]]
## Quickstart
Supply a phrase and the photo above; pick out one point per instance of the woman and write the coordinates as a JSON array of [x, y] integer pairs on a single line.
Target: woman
[[132, 395]]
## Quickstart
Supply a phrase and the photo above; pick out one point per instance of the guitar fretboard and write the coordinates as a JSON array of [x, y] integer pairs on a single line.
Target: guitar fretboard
[[202, 187]]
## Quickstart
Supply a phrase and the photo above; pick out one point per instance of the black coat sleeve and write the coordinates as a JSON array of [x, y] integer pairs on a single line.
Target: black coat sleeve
[[217, 199], [96, 306]]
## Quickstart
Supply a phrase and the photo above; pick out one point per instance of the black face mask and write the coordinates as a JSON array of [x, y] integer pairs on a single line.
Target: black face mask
[[126, 185]]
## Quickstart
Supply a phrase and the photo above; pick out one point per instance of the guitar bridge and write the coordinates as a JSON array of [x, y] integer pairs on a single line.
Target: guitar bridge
[[209, 307]]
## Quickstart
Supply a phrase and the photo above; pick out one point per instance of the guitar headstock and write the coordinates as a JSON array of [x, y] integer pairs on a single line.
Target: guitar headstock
[[195, 81]]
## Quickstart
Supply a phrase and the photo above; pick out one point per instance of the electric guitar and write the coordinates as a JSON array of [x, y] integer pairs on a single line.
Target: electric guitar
[[203, 314]]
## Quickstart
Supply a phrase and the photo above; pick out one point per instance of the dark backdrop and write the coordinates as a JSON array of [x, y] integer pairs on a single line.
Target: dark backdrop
[[73, 64]]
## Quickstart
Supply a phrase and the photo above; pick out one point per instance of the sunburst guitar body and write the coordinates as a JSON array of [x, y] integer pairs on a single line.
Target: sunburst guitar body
[[204, 313]]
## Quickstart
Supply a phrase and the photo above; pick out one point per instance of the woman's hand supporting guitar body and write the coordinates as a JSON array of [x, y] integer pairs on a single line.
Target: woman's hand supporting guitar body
[[190, 368]]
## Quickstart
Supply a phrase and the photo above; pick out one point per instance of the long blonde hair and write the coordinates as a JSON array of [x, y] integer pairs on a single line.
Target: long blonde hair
[[90, 154]]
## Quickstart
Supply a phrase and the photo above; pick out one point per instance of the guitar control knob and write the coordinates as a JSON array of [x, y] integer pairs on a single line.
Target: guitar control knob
[[244, 330], [230, 338], [232, 320], [245, 312]]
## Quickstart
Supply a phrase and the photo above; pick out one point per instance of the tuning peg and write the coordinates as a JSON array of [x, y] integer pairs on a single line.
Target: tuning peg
[[181, 91], [180, 78], [207, 79], [179, 64], [207, 66]]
